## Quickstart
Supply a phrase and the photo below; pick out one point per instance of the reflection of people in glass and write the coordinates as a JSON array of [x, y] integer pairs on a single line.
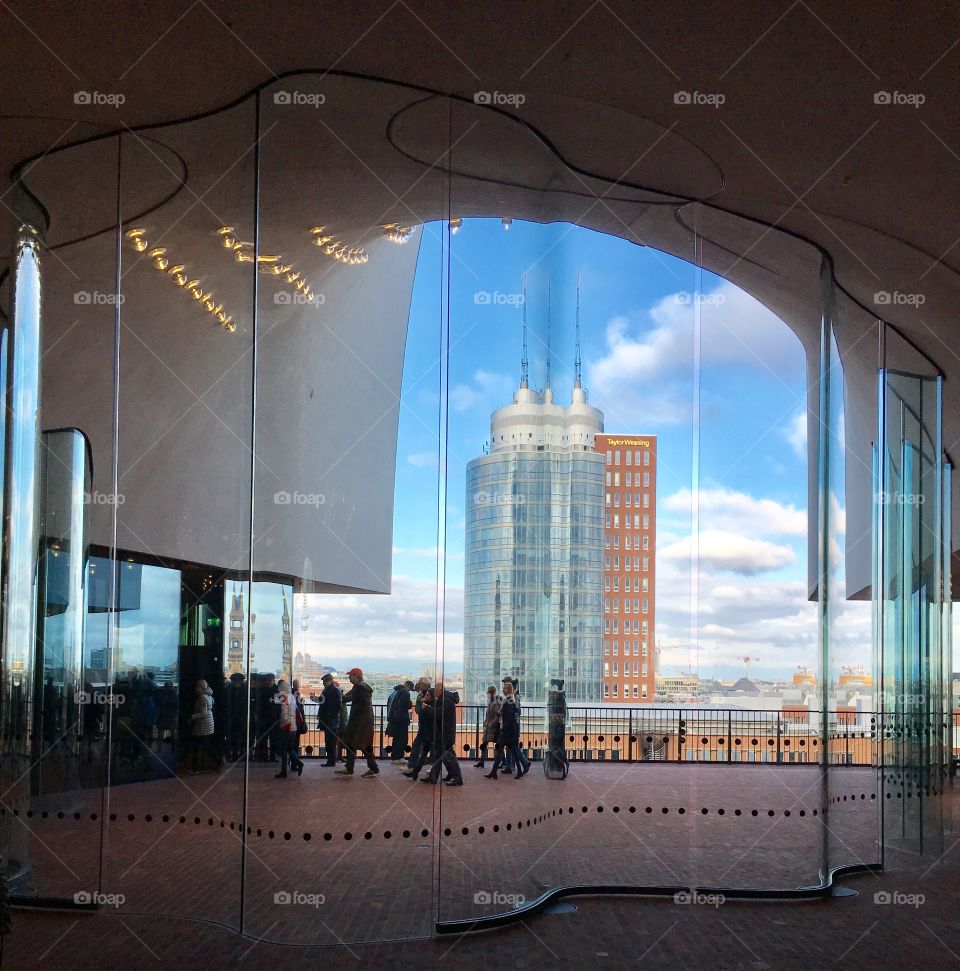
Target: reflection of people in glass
[[328, 717], [491, 724], [167, 712], [235, 716], [144, 712], [398, 720], [510, 755], [286, 702], [202, 720], [358, 736], [509, 737]]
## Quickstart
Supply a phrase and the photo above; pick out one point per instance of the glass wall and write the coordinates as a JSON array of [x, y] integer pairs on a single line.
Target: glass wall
[[312, 394]]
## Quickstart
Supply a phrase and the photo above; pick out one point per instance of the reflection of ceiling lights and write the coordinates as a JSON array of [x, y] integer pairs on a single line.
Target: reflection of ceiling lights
[[177, 273], [455, 224], [397, 233], [351, 255], [507, 222], [269, 265]]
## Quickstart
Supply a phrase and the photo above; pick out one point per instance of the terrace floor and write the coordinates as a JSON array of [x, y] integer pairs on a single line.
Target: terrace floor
[[388, 856]]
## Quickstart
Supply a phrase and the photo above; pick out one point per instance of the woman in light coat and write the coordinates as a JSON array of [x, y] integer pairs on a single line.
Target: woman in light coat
[[202, 722], [287, 702]]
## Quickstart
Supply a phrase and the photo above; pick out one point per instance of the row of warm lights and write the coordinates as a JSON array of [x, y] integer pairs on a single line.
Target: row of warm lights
[[270, 265], [351, 255], [397, 232], [456, 224], [177, 273]]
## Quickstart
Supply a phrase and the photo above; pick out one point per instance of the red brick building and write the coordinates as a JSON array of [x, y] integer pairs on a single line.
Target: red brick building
[[629, 561]]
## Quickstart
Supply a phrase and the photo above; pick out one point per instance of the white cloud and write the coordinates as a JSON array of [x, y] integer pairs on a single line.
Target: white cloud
[[795, 433], [488, 390], [737, 512], [718, 550], [735, 330], [424, 460]]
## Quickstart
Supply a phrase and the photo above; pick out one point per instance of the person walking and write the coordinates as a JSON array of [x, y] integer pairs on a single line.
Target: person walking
[[328, 717], [446, 732], [427, 741], [422, 687], [202, 722], [286, 702], [358, 736], [398, 721], [509, 737], [491, 724]]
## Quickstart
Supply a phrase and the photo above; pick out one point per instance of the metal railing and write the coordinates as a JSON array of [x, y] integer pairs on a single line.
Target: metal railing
[[654, 733]]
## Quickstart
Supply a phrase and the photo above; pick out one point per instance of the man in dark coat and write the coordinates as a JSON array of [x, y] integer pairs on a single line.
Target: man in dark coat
[[446, 752], [398, 720], [428, 738], [328, 717], [422, 687], [358, 736]]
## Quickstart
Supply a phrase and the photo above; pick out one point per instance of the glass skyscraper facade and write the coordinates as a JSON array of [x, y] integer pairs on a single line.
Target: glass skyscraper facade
[[534, 548]]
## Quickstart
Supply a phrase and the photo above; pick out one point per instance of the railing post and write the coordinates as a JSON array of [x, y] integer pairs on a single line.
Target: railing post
[[779, 727], [729, 736], [630, 736]]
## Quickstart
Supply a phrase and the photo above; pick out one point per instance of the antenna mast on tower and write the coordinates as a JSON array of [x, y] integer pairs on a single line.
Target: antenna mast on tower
[[524, 364], [576, 359], [548, 332]]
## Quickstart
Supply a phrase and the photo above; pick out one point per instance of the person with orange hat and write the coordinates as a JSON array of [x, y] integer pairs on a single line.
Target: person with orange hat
[[358, 735]]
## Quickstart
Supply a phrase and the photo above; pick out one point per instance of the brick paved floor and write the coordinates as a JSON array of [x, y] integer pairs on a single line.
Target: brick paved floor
[[371, 847]]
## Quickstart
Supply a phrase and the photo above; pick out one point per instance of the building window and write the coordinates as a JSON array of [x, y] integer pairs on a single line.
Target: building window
[[636, 648], [606, 584], [616, 520], [634, 691], [635, 563], [606, 562], [616, 626], [608, 500], [626, 562], [646, 456], [646, 564], [606, 690], [646, 479], [616, 500], [609, 458], [616, 562], [616, 480], [646, 625], [626, 499], [636, 605], [646, 585], [637, 457], [646, 520], [616, 690], [606, 605], [627, 458], [616, 458], [606, 626], [646, 604], [645, 648], [636, 520], [606, 669], [616, 648], [646, 500], [644, 667], [646, 543], [606, 647], [644, 691], [635, 668], [608, 480], [607, 520], [616, 668], [616, 541], [628, 480], [626, 605]]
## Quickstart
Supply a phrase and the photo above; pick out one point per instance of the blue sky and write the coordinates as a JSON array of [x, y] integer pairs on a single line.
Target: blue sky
[[638, 308]]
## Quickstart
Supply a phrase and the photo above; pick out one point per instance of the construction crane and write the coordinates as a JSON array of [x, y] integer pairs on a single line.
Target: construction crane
[[746, 662]]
